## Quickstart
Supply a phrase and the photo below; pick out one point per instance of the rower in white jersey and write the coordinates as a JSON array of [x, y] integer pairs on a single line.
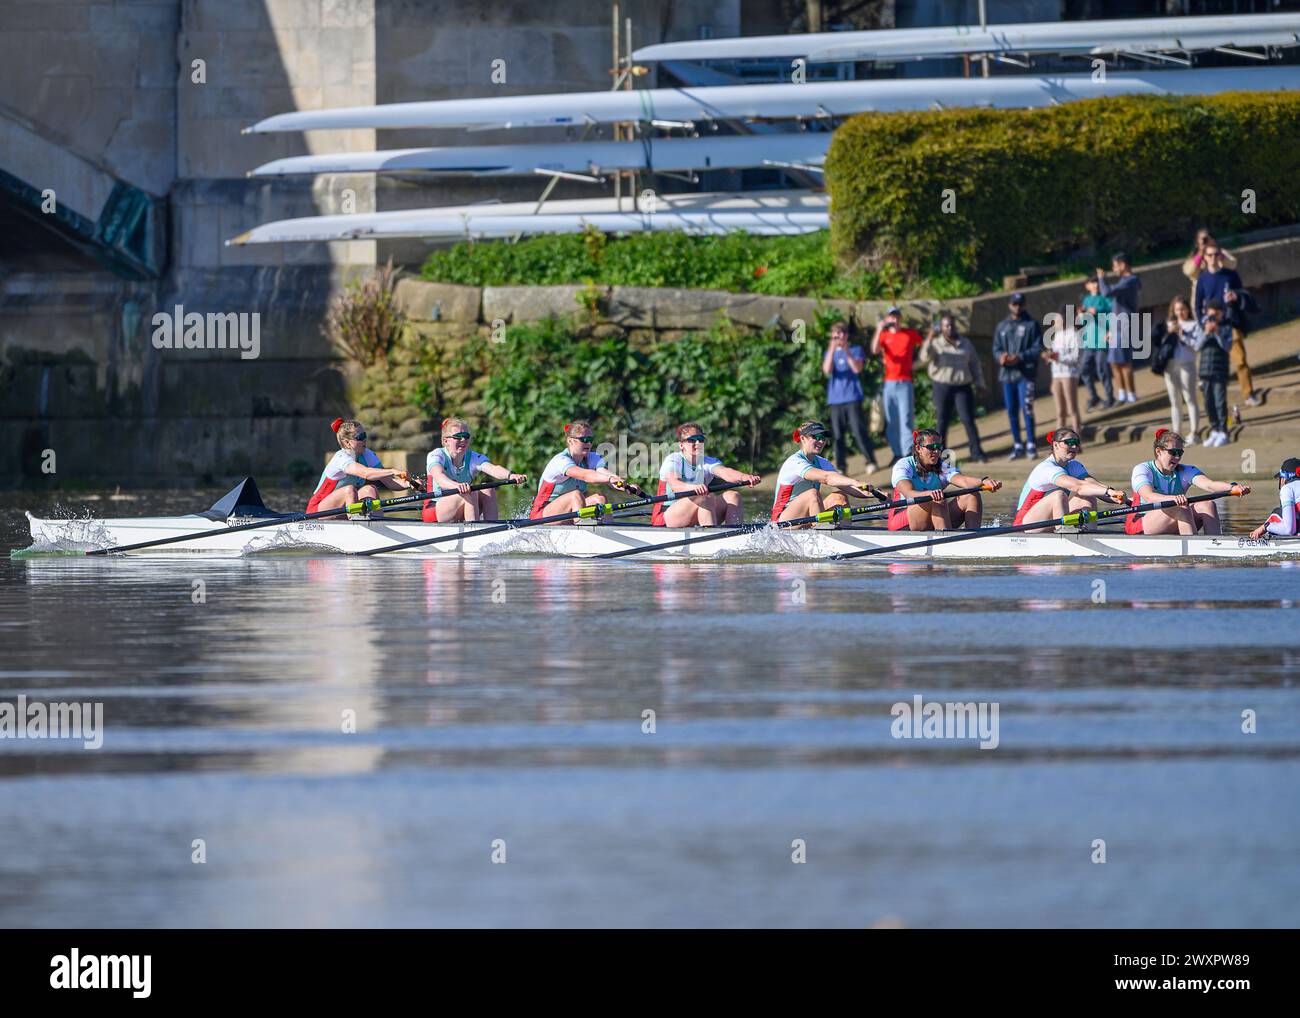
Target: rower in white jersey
[[354, 473], [451, 469], [687, 473], [1283, 521], [798, 485], [1164, 480], [1061, 484], [925, 471], [563, 487]]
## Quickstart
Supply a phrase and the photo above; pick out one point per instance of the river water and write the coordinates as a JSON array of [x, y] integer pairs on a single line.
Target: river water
[[503, 770]]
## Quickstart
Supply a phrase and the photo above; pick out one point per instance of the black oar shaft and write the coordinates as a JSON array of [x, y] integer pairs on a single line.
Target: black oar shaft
[[589, 512], [825, 516], [1069, 519]]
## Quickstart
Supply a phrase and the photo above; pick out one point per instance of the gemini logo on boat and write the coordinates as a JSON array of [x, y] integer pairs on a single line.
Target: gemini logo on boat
[[181, 330], [75, 971], [934, 720], [36, 720]]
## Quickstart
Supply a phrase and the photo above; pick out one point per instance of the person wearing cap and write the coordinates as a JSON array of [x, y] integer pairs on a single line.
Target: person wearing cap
[[1282, 521], [1017, 345], [898, 346], [842, 365], [798, 484], [1124, 292], [1092, 337], [1164, 480]]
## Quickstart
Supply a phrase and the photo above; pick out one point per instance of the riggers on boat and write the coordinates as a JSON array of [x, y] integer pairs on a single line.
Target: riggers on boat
[[214, 532]]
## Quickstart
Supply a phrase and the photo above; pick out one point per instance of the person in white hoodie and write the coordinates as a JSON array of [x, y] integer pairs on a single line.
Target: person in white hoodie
[[1180, 371]]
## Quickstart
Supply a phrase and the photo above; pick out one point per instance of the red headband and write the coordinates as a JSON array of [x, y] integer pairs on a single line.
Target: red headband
[[1161, 431], [336, 424], [796, 434], [1051, 437], [566, 429]]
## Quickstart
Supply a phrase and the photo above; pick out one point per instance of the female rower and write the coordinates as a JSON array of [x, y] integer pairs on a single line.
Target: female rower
[[687, 473], [1282, 521], [925, 471], [563, 488], [798, 485], [354, 473], [1061, 484], [450, 470], [1164, 480]]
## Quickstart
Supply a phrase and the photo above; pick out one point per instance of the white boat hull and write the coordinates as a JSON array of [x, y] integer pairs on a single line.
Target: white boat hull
[[568, 541]]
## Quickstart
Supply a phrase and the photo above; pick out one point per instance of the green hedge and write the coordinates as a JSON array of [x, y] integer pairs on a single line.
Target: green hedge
[[739, 262], [1132, 173], [748, 389]]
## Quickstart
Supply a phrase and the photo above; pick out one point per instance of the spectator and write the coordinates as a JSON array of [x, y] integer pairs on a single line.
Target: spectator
[[898, 346], [1124, 294], [955, 371], [842, 367], [1064, 353], [1017, 343], [1218, 282], [1194, 263], [1180, 370], [1216, 341], [1095, 366]]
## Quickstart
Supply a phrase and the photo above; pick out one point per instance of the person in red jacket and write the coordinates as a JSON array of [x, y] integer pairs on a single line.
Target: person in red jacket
[[897, 345]]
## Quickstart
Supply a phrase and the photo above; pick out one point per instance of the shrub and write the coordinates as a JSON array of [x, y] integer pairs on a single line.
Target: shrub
[[364, 320]]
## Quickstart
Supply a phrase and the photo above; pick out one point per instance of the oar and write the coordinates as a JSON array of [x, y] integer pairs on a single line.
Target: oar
[[587, 512], [1069, 520], [364, 506], [826, 516]]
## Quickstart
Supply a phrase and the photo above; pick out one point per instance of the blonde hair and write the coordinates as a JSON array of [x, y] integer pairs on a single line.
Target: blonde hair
[[1173, 306], [1166, 438], [453, 424], [345, 430], [689, 428], [578, 425]]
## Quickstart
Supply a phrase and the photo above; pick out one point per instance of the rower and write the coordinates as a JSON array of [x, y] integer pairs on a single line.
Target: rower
[[563, 487], [1061, 484], [1164, 480], [1282, 521], [798, 484], [924, 471], [450, 470], [687, 473], [354, 473]]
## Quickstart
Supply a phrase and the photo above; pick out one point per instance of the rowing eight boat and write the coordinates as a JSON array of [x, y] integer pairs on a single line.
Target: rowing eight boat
[[569, 541]]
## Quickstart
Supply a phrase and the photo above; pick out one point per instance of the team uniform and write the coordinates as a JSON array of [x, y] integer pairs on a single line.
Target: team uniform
[[907, 470], [1147, 473], [555, 482], [335, 475], [463, 474], [701, 473], [1282, 521], [1041, 482], [790, 481]]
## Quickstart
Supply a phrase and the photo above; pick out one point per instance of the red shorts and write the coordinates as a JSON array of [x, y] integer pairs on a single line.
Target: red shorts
[[897, 518], [1032, 499]]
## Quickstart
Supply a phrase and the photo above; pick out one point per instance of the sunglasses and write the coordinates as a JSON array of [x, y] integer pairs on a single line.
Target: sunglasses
[[1174, 452], [693, 438], [584, 439], [1072, 443], [360, 436], [933, 447], [463, 436], [819, 437]]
